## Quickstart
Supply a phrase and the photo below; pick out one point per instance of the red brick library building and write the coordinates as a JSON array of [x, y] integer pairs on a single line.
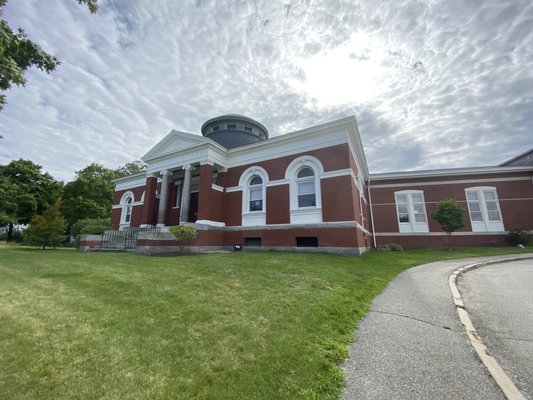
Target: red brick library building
[[308, 189]]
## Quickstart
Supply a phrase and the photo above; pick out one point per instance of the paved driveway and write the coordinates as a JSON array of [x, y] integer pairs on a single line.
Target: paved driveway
[[412, 346], [499, 299]]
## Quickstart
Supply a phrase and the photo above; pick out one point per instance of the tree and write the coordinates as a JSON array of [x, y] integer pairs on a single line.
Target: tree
[[133, 167], [24, 190], [18, 53], [90, 194], [450, 215], [47, 229]]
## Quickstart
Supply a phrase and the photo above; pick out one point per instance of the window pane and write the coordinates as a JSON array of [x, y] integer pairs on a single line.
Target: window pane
[[305, 172], [403, 217], [402, 209], [256, 205], [256, 180], [474, 206], [256, 194], [419, 208], [494, 216], [491, 206], [490, 195], [307, 200], [417, 198], [476, 216], [420, 218], [306, 188], [127, 217], [401, 198], [471, 195]]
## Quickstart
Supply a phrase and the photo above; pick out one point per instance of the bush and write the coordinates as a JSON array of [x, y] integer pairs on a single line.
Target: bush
[[518, 236], [183, 234], [16, 237], [389, 247], [89, 226], [47, 229]]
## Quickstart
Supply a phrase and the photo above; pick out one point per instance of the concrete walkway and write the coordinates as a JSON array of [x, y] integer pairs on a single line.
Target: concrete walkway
[[412, 346]]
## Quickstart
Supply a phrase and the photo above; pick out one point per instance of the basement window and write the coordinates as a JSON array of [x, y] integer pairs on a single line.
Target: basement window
[[252, 242], [307, 241]]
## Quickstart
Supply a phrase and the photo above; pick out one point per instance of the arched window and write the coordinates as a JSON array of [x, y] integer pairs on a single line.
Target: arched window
[[256, 194], [304, 175], [127, 208], [253, 185], [305, 179]]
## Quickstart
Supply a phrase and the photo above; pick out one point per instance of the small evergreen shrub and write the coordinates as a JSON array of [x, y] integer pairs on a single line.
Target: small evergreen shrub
[[389, 247], [184, 234], [518, 236]]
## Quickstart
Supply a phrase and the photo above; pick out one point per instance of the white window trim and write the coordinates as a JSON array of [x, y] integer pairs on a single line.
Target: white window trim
[[304, 215], [485, 225], [124, 208], [412, 226], [253, 218]]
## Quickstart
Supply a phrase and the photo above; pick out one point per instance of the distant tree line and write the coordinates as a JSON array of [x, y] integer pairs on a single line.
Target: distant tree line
[[27, 192]]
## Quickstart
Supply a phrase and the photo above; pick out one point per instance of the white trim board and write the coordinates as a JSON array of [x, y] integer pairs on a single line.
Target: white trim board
[[456, 182]]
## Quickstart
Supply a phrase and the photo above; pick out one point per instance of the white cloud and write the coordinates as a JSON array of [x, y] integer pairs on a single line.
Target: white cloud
[[433, 84]]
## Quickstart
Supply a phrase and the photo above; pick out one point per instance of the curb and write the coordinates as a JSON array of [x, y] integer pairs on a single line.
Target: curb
[[507, 386]]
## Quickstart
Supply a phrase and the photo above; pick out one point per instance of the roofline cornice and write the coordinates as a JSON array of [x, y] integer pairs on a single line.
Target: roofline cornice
[[448, 172]]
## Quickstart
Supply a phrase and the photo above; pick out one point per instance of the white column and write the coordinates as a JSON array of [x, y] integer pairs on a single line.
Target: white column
[[163, 198], [185, 195]]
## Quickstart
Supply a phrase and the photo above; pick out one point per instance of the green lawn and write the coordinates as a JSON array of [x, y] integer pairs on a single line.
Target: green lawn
[[263, 325]]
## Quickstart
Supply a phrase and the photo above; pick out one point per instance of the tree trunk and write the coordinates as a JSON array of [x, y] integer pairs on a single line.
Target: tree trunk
[[10, 233], [449, 241]]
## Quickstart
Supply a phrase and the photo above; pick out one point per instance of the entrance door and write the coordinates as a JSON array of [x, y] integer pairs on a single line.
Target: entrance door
[[193, 207]]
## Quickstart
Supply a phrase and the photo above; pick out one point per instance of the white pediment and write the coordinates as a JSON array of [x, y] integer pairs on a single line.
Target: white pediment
[[174, 142]]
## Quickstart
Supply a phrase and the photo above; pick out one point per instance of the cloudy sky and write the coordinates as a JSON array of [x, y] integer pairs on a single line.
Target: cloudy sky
[[435, 83]]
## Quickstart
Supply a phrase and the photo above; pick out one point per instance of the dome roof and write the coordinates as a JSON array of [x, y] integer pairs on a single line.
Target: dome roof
[[234, 130]]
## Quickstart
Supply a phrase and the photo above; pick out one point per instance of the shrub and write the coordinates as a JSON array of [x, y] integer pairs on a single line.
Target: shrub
[[518, 236], [389, 247], [47, 229], [183, 234], [89, 226]]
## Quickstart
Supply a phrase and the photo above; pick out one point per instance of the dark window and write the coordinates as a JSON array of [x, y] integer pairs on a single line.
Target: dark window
[[215, 128], [307, 241], [256, 180], [231, 126], [247, 129], [305, 172], [256, 205], [253, 242]]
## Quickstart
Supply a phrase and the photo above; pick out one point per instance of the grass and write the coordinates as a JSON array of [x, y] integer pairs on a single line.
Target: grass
[[263, 325]]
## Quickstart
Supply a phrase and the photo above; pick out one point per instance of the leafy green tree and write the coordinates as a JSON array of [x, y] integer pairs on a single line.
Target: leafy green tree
[[18, 53], [24, 190], [47, 229], [450, 215], [90, 194], [131, 168]]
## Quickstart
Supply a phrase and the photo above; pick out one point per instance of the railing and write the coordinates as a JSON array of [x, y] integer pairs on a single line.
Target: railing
[[125, 238]]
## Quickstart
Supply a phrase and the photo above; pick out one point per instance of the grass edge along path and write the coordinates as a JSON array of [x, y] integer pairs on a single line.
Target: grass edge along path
[[262, 325]]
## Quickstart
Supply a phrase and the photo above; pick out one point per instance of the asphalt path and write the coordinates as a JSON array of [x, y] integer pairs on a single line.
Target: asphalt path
[[499, 299], [411, 345]]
